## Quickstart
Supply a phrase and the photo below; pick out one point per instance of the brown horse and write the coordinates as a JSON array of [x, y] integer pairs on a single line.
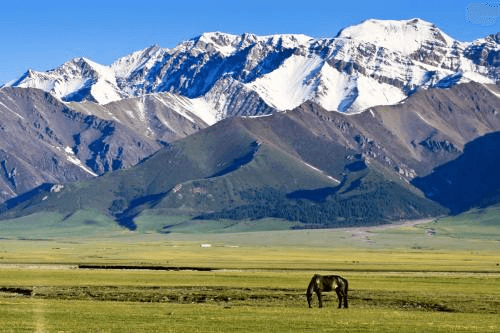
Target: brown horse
[[327, 283]]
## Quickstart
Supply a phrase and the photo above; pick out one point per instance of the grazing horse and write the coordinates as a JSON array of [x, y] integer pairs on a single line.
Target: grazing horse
[[327, 283]]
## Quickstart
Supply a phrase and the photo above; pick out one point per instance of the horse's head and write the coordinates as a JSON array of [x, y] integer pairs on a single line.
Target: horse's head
[[309, 298]]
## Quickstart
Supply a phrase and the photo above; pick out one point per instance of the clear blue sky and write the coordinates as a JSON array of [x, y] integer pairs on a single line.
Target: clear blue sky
[[42, 35]]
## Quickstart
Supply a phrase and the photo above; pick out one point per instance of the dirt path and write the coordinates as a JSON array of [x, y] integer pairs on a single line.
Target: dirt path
[[37, 266], [364, 233]]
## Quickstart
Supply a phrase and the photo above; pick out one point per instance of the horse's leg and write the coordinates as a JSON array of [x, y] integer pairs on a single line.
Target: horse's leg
[[345, 299], [339, 296], [319, 298]]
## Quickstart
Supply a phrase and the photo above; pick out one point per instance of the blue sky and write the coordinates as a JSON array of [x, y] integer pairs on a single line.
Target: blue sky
[[42, 35]]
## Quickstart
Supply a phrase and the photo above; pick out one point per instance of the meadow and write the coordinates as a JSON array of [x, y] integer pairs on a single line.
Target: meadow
[[427, 277]]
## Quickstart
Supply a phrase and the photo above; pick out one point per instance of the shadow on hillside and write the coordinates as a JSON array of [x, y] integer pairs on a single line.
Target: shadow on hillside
[[473, 179], [25, 197]]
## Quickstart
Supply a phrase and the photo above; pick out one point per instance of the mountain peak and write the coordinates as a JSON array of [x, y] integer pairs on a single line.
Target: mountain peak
[[216, 36], [80, 66], [495, 38], [126, 65], [227, 44], [403, 35]]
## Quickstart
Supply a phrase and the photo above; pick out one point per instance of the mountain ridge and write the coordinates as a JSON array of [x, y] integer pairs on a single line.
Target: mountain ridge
[[347, 73]]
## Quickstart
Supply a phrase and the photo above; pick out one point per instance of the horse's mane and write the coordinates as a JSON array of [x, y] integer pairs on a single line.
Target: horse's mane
[[310, 288]]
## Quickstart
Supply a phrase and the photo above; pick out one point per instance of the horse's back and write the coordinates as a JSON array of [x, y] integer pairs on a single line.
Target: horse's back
[[325, 282], [333, 282]]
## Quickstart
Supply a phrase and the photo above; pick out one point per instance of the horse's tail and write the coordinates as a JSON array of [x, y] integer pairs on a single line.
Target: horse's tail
[[343, 284], [346, 289]]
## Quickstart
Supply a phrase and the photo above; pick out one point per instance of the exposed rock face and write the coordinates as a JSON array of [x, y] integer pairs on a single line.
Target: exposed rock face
[[43, 140]]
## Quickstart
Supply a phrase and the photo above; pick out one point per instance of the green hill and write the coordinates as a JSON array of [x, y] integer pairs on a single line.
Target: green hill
[[245, 168]]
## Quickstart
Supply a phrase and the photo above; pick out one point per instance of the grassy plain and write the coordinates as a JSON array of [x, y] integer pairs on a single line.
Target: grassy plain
[[439, 276], [55, 299]]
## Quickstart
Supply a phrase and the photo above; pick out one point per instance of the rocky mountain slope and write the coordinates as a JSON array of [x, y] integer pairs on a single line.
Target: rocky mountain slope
[[310, 165], [43, 140]]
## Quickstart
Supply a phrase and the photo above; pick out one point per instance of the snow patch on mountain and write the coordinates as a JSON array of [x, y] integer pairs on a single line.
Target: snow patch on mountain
[[373, 93], [5, 107], [322, 172], [189, 107], [288, 86], [475, 77], [71, 157]]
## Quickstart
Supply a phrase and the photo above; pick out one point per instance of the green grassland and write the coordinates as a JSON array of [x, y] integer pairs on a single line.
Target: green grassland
[[76, 300], [439, 276]]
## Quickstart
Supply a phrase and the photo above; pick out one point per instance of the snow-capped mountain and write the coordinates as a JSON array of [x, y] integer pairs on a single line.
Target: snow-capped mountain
[[164, 113], [76, 80], [378, 62]]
